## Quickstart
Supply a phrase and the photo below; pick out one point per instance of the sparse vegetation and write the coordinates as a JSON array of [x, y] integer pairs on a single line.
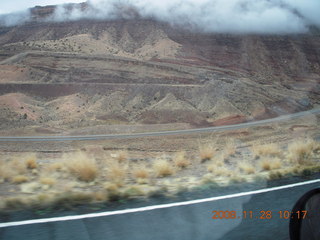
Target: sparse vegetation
[[31, 162], [140, 172], [117, 172], [133, 191], [100, 196], [82, 166], [206, 152], [180, 160], [215, 163], [47, 181], [43, 200], [308, 170], [14, 203], [220, 171], [275, 175], [7, 171], [268, 164], [113, 191], [16, 165], [300, 151], [19, 179], [236, 179], [247, 168], [117, 178], [229, 148], [270, 149], [55, 167], [122, 156], [69, 200], [162, 168]]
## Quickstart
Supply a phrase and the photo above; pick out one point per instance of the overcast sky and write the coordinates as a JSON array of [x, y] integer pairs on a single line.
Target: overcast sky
[[236, 16], [8, 6]]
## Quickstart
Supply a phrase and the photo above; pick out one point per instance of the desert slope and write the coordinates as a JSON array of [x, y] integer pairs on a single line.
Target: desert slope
[[140, 71]]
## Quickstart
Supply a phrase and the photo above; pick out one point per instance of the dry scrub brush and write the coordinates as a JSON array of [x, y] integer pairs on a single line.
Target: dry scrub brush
[[5, 172], [215, 163], [206, 152], [31, 161], [229, 148], [221, 171], [100, 196], [68, 200], [268, 164], [122, 156], [50, 181], [117, 172], [247, 168], [55, 167], [270, 149], [18, 166], [218, 168], [81, 166], [162, 168], [140, 172], [15, 203], [180, 160], [14, 170], [9, 169], [19, 179], [300, 152]]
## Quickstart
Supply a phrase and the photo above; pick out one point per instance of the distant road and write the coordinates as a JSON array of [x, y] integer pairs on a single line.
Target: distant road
[[153, 134]]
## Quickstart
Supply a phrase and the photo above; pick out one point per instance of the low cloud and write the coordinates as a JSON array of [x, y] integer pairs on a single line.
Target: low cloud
[[13, 19], [232, 16], [235, 16]]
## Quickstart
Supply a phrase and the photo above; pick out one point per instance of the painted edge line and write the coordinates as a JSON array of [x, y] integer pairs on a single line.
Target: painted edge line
[[153, 207]]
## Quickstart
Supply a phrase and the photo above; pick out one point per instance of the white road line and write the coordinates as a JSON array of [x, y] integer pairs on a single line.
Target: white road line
[[154, 207]]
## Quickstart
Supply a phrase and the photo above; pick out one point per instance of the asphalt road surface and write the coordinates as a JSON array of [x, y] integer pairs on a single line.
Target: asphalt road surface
[[175, 221], [148, 134]]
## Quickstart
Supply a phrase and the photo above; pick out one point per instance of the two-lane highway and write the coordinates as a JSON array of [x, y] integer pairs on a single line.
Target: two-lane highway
[[152, 134]]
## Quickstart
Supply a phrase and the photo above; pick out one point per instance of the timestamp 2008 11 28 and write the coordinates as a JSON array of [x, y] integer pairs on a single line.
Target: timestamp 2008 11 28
[[263, 214]]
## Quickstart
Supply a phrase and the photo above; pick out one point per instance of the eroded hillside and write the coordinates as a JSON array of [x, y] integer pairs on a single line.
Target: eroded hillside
[[131, 72]]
